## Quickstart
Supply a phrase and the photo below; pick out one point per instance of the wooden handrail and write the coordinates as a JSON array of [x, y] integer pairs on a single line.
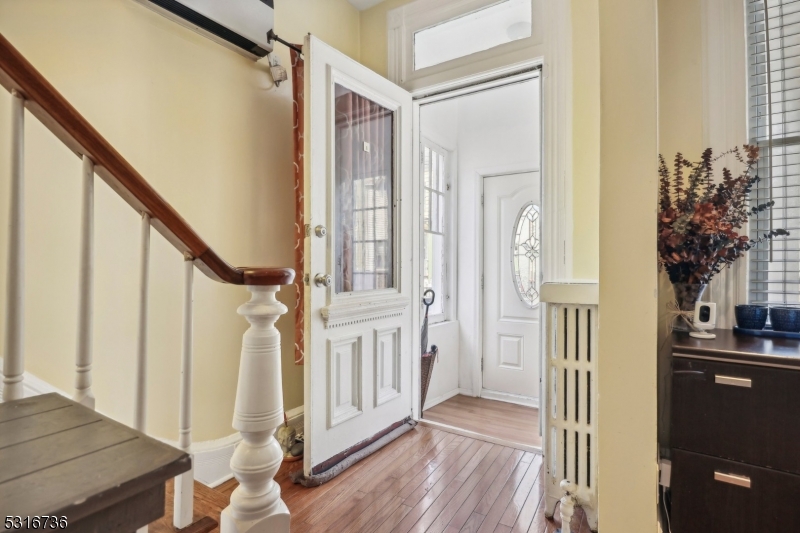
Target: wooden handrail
[[53, 110]]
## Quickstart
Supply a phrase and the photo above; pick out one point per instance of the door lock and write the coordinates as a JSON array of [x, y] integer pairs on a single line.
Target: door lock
[[320, 231], [323, 280]]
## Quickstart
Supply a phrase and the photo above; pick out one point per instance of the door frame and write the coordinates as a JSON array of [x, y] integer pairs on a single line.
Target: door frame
[[549, 184], [482, 174]]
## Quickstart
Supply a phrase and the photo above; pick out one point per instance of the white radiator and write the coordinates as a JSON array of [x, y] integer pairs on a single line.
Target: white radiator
[[570, 419]]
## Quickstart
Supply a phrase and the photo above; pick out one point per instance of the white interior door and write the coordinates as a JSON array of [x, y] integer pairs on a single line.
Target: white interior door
[[358, 254], [511, 281]]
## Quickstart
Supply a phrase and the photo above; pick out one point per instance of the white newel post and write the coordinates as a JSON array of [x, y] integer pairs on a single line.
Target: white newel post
[[256, 505], [83, 356], [184, 484], [13, 353]]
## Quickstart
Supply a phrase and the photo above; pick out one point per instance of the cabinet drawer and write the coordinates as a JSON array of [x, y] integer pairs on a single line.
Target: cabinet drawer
[[711, 494], [739, 412]]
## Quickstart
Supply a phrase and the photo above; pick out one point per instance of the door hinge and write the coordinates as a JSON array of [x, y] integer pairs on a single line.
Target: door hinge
[[307, 279], [308, 230], [481, 364], [481, 281], [481, 199]]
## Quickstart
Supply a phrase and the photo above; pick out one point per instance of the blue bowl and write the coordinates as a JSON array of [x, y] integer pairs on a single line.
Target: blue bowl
[[751, 316], [785, 318]]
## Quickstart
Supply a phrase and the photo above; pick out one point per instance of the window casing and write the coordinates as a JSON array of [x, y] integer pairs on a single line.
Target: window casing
[[437, 232], [774, 125]]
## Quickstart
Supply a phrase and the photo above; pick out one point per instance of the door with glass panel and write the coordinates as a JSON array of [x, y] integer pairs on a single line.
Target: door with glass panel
[[511, 246], [358, 254]]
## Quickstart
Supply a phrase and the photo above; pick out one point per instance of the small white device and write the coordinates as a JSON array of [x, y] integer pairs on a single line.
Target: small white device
[[705, 318]]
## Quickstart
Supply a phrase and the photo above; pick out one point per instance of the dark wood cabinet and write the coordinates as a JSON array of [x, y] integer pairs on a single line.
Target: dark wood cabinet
[[715, 495], [735, 434]]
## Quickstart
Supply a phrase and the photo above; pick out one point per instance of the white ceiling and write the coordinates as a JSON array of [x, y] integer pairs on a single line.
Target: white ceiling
[[361, 5]]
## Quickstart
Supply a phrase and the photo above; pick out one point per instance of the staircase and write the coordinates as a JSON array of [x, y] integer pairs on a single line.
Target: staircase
[[255, 504]]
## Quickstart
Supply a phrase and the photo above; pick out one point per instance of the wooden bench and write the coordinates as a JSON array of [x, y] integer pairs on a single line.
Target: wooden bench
[[59, 458]]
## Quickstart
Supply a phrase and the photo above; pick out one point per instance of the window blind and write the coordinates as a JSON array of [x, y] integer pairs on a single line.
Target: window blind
[[774, 125]]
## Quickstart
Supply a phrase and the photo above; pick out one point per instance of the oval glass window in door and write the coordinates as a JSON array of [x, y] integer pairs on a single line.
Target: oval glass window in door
[[525, 255]]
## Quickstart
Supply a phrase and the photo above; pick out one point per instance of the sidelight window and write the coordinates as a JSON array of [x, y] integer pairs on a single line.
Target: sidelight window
[[435, 212]]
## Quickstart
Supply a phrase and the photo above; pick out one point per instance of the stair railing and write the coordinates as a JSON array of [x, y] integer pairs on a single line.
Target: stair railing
[[256, 504]]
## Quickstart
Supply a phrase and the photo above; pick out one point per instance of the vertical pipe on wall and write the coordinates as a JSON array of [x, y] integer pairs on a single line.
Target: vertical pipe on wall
[[184, 484], [13, 354], [83, 356], [140, 407]]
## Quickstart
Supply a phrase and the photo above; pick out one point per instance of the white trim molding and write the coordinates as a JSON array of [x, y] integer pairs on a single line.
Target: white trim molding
[[725, 120], [510, 398], [430, 402], [571, 292], [557, 142], [356, 311]]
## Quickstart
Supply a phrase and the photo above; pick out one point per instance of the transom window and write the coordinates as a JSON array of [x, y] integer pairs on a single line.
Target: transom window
[[501, 23]]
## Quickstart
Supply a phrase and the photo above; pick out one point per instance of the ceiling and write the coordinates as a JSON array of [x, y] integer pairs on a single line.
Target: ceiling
[[361, 5]]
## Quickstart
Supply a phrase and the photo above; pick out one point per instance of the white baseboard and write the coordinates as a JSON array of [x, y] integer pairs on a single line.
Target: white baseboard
[[510, 398], [430, 402], [34, 386], [295, 418], [211, 458], [467, 392]]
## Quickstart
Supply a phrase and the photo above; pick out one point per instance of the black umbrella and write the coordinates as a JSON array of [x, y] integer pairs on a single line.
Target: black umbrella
[[428, 357]]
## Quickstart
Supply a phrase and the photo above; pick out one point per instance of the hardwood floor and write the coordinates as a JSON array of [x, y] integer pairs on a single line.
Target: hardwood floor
[[425, 481], [507, 421]]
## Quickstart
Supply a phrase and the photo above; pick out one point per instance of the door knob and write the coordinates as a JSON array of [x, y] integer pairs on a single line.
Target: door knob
[[323, 280], [320, 231]]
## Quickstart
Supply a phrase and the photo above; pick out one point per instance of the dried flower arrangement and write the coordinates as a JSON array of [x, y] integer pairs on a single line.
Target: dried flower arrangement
[[698, 219]]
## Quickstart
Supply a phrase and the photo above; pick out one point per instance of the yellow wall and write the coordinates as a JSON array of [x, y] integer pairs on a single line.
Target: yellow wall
[[585, 138], [374, 36], [628, 281], [213, 135], [680, 130]]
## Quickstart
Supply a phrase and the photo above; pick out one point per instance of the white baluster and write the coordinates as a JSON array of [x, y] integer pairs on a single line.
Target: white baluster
[[140, 407], [184, 483], [83, 357], [14, 355], [256, 505]]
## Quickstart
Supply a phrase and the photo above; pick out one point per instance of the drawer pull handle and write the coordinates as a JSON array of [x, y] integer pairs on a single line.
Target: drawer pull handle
[[736, 382], [741, 481]]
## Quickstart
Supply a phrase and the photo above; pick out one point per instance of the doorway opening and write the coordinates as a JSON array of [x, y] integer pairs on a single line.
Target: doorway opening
[[480, 181]]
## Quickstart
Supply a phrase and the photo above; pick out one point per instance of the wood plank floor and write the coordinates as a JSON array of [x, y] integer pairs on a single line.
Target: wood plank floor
[[425, 481], [503, 420]]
